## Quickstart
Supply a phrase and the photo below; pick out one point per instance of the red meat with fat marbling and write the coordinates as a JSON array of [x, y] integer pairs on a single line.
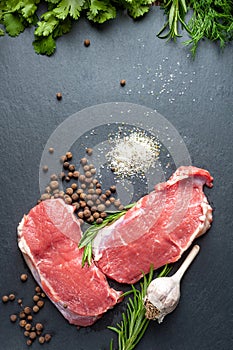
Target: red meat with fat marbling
[[158, 229], [48, 238]]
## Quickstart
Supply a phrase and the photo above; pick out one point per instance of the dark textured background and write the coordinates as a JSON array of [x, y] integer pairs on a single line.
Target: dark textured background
[[198, 101]]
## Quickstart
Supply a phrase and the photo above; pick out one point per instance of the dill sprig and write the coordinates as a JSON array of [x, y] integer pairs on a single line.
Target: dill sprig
[[211, 19], [92, 231], [134, 323]]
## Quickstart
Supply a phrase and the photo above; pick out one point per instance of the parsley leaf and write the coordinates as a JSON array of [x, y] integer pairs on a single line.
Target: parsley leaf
[[44, 45], [47, 25], [69, 7], [101, 11], [13, 24]]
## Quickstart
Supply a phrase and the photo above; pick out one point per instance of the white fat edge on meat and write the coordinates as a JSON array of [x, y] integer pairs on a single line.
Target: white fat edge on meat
[[182, 173], [205, 223]]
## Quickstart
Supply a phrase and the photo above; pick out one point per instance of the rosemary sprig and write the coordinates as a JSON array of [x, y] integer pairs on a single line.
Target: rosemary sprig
[[92, 231], [134, 323], [176, 11]]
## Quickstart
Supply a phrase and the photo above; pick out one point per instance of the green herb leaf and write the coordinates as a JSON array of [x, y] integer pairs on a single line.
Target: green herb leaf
[[90, 234], [13, 24], [69, 7], [44, 45], [134, 323]]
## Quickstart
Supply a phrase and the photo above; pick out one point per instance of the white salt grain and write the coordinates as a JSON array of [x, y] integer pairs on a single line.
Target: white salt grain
[[133, 154]]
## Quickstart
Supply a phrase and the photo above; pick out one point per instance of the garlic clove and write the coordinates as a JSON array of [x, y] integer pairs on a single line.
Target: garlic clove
[[163, 294], [162, 297]]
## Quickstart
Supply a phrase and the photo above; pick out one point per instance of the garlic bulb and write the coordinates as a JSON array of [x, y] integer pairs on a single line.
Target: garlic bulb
[[163, 294]]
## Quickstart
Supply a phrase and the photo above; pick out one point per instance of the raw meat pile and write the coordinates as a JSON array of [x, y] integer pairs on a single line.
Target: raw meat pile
[[161, 226], [48, 238]]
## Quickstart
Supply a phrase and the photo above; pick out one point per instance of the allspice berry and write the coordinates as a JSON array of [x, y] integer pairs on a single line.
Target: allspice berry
[[59, 96], [23, 277], [123, 82], [87, 42]]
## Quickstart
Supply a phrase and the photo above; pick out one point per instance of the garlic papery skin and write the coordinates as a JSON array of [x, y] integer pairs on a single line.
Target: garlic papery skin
[[163, 293]]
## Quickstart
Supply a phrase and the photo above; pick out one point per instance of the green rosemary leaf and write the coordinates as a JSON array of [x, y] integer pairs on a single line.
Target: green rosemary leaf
[[92, 231], [134, 323]]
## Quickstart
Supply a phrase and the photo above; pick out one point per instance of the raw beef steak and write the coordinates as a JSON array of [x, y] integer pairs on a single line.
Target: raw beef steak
[[161, 226], [48, 238]]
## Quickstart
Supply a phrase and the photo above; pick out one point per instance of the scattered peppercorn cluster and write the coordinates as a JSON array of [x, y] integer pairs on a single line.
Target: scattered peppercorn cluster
[[84, 191], [25, 316]]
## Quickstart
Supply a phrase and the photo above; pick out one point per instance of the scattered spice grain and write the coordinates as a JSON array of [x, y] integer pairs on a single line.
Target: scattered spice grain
[[45, 168], [24, 277], [11, 297], [5, 298], [122, 82], [89, 151], [59, 96], [13, 318], [87, 42]]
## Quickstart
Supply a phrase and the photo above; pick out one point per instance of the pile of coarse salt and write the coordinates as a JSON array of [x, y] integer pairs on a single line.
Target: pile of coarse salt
[[133, 154]]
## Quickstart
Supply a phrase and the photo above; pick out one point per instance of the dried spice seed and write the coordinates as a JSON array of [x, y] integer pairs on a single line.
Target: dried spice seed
[[35, 308], [37, 289], [74, 186], [24, 277], [22, 314], [70, 174], [59, 96], [22, 323], [27, 310], [29, 342], [26, 333], [69, 191], [47, 337], [87, 42], [67, 178], [40, 303], [75, 197], [19, 301], [54, 185], [83, 161], [53, 177], [113, 189], [13, 318], [71, 167], [68, 200], [69, 155], [28, 326], [89, 151], [51, 150], [35, 298], [41, 340], [99, 221], [63, 159], [76, 174], [45, 168], [39, 326], [29, 318], [66, 165], [32, 335], [5, 298], [123, 82], [11, 297]]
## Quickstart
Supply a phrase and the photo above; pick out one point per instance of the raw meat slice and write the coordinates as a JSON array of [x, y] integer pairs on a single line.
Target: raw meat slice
[[48, 238], [161, 226]]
